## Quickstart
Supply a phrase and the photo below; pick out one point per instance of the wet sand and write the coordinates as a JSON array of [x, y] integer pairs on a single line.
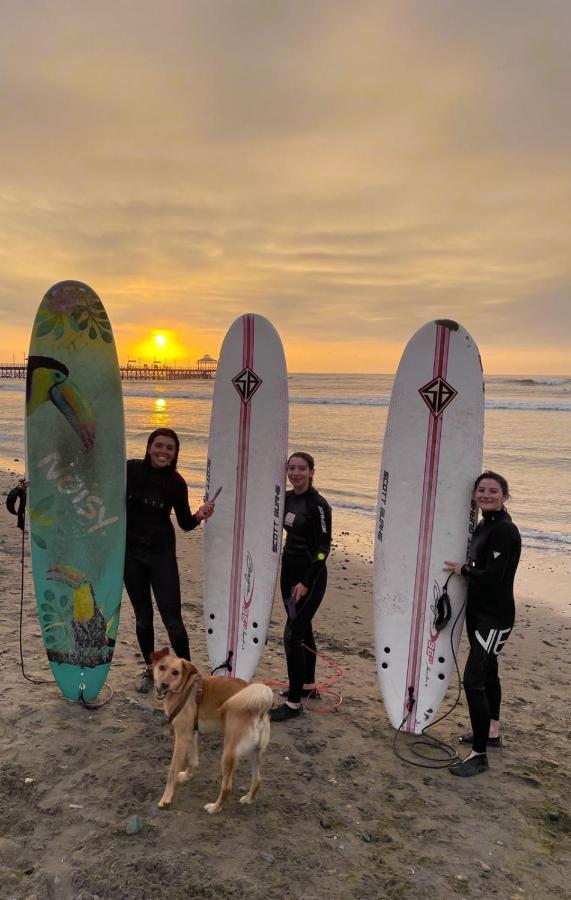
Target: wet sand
[[339, 814]]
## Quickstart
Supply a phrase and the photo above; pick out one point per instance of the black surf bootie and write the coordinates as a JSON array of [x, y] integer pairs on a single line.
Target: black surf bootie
[[312, 693], [471, 766], [284, 712]]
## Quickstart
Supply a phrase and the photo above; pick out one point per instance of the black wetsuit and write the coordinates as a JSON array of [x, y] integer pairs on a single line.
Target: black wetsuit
[[307, 522], [150, 558], [490, 614]]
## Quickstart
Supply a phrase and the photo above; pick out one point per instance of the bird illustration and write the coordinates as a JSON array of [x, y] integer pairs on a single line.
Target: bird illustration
[[48, 380], [88, 624]]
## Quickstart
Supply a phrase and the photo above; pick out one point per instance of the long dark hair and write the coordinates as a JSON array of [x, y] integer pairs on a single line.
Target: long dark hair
[[165, 432]]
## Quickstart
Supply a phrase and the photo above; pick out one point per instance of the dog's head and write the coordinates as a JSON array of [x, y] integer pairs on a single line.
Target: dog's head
[[170, 673]]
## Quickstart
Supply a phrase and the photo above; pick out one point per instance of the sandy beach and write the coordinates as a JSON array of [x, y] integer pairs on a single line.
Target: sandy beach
[[339, 814]]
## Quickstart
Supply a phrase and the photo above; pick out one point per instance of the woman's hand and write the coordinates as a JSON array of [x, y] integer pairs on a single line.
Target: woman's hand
[[298, 591], [205, 511], [455, 567]]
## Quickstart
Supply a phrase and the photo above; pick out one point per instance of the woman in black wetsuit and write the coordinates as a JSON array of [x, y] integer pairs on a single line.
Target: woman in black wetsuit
[[154, 488], [490, 613], [307, 522]]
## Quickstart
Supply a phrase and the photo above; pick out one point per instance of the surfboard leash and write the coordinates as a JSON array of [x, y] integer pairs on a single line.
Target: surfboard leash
[[87, 705], [227, 664], [449, 754], [322, 687], [22, 525], [21, 513]]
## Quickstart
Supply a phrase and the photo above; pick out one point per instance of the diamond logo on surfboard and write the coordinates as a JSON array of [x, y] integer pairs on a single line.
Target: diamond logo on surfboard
[[437, 395], [246, 383]]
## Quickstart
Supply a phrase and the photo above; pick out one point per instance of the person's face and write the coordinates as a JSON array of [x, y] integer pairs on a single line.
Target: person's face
[[489, 495], [299, 474], [162, 451]]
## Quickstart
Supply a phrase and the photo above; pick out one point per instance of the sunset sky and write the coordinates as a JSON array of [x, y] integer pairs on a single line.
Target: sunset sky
[[348, 168]]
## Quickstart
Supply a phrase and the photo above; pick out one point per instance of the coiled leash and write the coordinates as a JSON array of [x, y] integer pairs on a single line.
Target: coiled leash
[[322, 687], [87, 705], [16, 504], [447, 753]]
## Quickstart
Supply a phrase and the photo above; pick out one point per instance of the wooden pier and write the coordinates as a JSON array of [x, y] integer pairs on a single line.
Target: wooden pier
[[134, 373]]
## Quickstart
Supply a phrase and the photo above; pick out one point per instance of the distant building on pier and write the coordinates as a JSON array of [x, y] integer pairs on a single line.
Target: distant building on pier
[[207, 364]]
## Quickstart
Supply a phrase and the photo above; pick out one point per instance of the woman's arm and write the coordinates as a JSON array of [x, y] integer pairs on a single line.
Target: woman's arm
[[503, 543], [186, 519], [318, 540]]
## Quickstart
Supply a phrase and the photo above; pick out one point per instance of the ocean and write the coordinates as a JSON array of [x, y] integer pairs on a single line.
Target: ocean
[[340, 419]]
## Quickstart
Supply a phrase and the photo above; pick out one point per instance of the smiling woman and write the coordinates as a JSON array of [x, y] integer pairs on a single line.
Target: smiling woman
[[154, 488]]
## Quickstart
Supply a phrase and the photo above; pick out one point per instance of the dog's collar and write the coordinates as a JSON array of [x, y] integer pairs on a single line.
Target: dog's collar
[[192, 681]]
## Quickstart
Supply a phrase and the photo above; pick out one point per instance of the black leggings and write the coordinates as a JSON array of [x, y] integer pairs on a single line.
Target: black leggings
[[145, 570], [481, 680], [299, 631]]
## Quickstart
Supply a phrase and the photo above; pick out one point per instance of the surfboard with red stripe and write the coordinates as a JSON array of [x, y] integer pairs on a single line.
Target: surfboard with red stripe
[[432, 454], [247, 453]]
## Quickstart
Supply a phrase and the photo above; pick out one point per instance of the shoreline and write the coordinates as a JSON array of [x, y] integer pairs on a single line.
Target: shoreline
[[338, 814]]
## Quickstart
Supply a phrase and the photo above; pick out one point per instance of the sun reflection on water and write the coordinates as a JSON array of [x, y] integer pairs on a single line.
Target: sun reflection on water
[[160, 414]]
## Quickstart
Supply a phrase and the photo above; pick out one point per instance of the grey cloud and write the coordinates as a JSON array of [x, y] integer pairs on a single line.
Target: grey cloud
[[349, 170]]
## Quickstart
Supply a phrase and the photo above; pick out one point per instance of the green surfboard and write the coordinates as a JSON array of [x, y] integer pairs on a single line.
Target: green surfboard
[[75, 465]]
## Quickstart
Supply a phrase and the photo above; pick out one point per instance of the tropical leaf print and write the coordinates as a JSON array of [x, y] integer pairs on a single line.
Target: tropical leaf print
[[91, 317], [49, 320], [56, 615], [72, 310]]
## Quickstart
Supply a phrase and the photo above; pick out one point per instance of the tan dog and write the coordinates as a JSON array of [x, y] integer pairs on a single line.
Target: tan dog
[[196, 704]]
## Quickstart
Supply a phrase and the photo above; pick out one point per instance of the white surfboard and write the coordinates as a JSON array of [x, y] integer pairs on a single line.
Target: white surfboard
[[247, 453], [432, 454]]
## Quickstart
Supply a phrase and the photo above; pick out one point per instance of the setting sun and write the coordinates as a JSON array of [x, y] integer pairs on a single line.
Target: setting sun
[[166, 346]]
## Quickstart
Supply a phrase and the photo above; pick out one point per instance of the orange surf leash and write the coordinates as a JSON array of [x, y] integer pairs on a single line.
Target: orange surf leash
[[322, 687]]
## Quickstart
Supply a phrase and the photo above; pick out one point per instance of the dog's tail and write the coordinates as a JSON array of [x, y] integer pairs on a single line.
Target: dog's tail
[[253, 698]]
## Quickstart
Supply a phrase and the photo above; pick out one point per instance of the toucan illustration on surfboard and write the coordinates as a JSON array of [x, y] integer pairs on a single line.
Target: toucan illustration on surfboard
[[75, 466], [48, 381], [87, 623]]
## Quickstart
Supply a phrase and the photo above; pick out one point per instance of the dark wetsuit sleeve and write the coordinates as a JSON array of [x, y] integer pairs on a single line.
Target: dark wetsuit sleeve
[[185, 518], [318, 540], [502, 550]]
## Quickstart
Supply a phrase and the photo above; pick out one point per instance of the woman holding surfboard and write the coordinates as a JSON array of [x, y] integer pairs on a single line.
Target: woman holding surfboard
[[154, 488], [307, 522], [493, 559]]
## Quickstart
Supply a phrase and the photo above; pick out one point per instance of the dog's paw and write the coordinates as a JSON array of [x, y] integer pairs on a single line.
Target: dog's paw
[[164, 804], [246, 799], [183, 776], [212, 808]]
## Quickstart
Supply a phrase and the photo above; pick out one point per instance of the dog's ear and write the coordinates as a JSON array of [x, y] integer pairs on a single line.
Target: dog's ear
[[156, 655], [188, 667]]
